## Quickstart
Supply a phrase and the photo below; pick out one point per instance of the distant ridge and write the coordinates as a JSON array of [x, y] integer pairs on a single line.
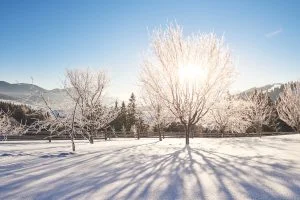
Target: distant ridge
[[273, 90], [30, 93]]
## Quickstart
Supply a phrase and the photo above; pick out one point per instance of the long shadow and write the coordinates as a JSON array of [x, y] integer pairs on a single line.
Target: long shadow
[[132, 173]]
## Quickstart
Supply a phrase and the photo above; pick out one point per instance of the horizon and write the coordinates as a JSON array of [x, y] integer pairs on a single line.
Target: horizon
[[41, 39]]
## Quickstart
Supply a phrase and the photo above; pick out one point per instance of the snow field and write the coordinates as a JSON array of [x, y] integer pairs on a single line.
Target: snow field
[[211, 168]]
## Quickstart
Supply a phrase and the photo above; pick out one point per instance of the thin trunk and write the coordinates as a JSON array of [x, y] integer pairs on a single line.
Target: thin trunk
[[73, 144], [72, 131], [49, 139], [222, 131], [91, 139], [259, 130], [163, 135], [187, 135], [159, 133]]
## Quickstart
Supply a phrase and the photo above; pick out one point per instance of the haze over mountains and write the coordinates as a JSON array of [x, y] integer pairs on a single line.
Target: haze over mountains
[[24, 92], [272, 89], [31, 92]]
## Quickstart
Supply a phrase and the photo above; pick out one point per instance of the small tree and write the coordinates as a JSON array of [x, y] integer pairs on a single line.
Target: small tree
[[228, 115], [288, 105], [86, 89], [131, 112], [259, 111], [9, 126], [187, 74], [154, 111], [60, 120]]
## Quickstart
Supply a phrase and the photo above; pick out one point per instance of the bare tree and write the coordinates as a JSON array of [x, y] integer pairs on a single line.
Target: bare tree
[[154, 111], [228, 115], [187, 74], [288, 105], [258, 110], [86, 89], [60, 119], [9, 126]]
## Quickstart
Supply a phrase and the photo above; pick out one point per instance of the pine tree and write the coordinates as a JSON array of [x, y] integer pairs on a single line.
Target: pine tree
[[117, 123], [123, 115], [116, 104], [132, 119]]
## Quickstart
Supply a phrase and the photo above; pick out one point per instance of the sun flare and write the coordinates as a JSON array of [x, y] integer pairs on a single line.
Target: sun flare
[[191, 73]]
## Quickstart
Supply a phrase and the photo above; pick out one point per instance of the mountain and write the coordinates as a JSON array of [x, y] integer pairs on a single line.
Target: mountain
[[6, 97], [273, 90], [18, 90], [31, 94], [28, 93]]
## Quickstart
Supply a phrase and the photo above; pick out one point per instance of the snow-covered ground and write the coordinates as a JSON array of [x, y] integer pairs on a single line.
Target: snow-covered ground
[[231, 168]]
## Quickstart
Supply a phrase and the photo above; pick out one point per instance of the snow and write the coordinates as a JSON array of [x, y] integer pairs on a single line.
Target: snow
[[276, 85], [212, 168]]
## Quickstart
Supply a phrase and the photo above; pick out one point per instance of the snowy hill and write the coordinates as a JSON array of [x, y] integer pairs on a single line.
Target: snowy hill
[[30, 93], [27, 93], [272, 89], [18, 90]]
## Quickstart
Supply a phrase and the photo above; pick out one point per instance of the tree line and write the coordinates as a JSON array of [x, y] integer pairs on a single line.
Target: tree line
[[184, 83]]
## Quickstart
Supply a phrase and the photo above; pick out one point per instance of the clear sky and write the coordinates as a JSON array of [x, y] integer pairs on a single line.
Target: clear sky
[[40, 39]]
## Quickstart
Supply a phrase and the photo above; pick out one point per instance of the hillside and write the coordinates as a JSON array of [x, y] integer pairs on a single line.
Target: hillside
[[28, 93], [273, 90], [31, 94]]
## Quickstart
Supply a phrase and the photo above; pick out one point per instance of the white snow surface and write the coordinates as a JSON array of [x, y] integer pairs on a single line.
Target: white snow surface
[[229, 168]]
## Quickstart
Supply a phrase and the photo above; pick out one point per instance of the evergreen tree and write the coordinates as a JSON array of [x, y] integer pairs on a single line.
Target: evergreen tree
[[116, 124], [21, 113], [123, 115], [132, 118], [116, 104]]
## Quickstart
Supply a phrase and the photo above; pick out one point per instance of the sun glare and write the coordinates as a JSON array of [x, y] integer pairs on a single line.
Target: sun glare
[[191, 73]]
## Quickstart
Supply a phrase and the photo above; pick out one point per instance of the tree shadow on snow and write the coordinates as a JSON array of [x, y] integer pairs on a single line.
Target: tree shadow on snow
[[143, 172]]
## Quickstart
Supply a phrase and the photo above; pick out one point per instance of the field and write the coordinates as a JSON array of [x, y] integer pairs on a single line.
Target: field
[[229, 168]]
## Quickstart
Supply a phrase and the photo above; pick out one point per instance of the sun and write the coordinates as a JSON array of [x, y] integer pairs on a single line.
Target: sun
[[191, 73]]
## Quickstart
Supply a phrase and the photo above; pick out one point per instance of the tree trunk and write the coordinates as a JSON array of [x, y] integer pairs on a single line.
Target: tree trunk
[[49, 139], [73, 144], [163, 135], [159, 133], [105, 136], [72, 131], [91, 139], [259, 130], [187, 135]]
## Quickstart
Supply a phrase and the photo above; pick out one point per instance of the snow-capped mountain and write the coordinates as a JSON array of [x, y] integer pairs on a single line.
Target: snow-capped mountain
[[24, 92], [31, 94], [273, 90]]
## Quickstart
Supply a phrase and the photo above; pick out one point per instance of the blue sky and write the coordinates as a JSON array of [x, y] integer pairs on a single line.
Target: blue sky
[[40, 39]]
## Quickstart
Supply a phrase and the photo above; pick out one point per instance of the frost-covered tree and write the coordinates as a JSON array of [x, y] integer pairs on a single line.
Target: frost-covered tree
[[288, 105], [154, 111], [188, 74], [60, 119], [228, 115], [9, 126], [86, 88], [131, 112], [259, 110]]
